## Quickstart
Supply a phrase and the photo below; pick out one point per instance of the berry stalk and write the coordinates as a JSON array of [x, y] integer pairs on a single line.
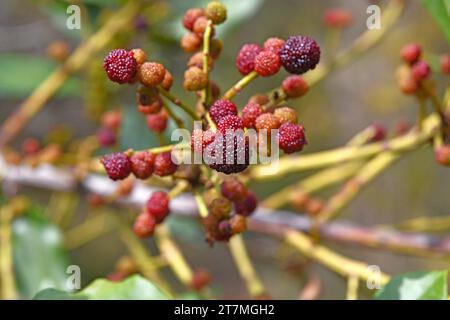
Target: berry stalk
[[206, 92], [241, 84], [178, 102]]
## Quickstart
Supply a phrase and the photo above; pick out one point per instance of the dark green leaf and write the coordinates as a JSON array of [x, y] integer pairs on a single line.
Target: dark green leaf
[[23, 73], [40, 260], [440, 10], [416, 286]]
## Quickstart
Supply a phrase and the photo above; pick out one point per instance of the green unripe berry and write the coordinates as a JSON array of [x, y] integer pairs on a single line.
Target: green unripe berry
[[216, 12]]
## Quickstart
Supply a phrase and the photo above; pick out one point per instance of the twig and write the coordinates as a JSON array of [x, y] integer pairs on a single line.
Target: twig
[[206, 52], [241, 84], [179, 103], [352, 288], [8, 285]]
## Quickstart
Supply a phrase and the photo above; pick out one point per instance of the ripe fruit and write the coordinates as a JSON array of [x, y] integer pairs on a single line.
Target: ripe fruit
[[274, 45], [106, 137], [157, 122], [420, 70], [233, 190], [220, 208], [117, 165], [164, 166], [222, 108], [144, 226], [112, 119], [442, 155], [230, 123], [247, 206], [295, 86], [267, 121], [167, 82], [142, 164], [216, 12], [411, 53], [445, 63], [195, 79], [245, 60], [158, 206], [151, 73], [190, 16], [251, 111], [201, 139], [300, 54], [286, 114], [139, 55], [267, 63], [120, 66], [337, 18], [190, 42], [291, 137], [227, 158]]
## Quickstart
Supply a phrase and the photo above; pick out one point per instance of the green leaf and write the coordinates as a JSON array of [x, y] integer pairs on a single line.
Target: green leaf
[[416, 286], [40, 261], [440, 10], [132, 288], [23, 73]]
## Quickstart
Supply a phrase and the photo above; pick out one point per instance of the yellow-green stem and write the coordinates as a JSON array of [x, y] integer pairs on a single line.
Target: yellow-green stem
[[241, 84]]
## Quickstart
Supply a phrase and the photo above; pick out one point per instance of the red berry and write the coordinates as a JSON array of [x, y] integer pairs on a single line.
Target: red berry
[[230, 123], [267, 63], [112, 119], [267, 121], [222, 108], [442, 155], [300, 54], [337, 18], [251, 111], [120, 66], [200, 279], [190, 16], [157, 122], [445, 63], [164, 166], [144, 226], [247, 206], [142, 164], [158, 206], [151, 73], [411, 53], [379, 132], [291, 137], [295, 86], [117, 165], [273, 44], [232, 157], [106, 137], [420, 70], [201, 139], [233, 190], [245, 60]]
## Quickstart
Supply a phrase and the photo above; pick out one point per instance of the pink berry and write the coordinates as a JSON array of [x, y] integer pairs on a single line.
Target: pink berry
[[267, 63], [245, 60], [410, 53], [420, 70], [230, 123], [158, 206], [251, 111], [117, 165], [291, 137], [295, 86], [120, 66], [273, 44], [247, 206], [222, 108], [144, 226]]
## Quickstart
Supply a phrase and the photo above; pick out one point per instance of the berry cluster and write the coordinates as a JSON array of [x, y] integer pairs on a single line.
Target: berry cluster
[[222, 221], [155, 211]]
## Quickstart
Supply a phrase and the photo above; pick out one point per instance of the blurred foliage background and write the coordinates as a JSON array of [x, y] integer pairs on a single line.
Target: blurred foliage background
[[352, 98]]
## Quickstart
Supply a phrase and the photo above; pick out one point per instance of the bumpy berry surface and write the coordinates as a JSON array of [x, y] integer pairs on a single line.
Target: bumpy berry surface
[[235, 152], [267, 63], [245, 60], [337, 18], [158, 206], [291, 137], [117, 165], [300, 54], [144, 226], [411, 53], [195, 79], [274, 44], [267, 121], [120, 66], [106, 137], [200, 26], [286, 114], [247, 206], [151, 73], [420, 70], [216, 12], [157, 122], [139, 55], [295, 86], [164, 166], [167, 82], [222, 108], [201, 139], [230, 123], [190, 42], [190, 16], [251, 111], [233, 190], [142, 164], [260, 98]]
